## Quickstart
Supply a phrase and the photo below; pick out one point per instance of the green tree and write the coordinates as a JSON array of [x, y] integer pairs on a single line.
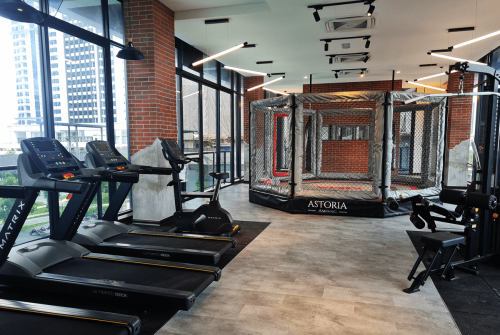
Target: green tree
[[7, 178], [11, 152]]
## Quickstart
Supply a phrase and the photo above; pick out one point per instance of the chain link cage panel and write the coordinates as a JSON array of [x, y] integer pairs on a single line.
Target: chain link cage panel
[[337, 160], [271, 149], [415, 143]]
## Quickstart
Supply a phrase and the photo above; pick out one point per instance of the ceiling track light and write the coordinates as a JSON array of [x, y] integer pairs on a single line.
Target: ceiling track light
[[274, 91], [370, 10], [366, 59], [454, 58], [336, 75], [265, 84], [418, 84], [362, 74], [245, 71], [456, 30], [435, 75], [320, 7], [220, 54], [331, 60], [328, 40]]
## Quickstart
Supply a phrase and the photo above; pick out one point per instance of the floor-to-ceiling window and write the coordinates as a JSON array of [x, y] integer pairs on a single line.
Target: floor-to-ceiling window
[[61, 80], [209, 108]]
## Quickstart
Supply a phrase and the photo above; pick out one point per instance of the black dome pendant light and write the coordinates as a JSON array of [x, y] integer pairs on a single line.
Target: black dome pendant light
[[130, 52], [18, 10]]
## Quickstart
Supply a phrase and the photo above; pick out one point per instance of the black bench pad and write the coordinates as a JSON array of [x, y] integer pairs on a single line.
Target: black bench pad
[[442, 239]]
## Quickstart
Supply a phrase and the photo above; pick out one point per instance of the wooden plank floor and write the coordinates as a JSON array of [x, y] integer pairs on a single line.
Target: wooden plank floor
[[316, 275]]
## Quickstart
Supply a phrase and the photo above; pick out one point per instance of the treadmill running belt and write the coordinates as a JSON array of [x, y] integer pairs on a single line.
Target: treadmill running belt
[[17, 323], [171, 242], [155, 276]]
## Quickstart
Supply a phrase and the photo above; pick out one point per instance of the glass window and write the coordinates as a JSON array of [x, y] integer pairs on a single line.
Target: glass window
[[210, 70], [82, 94], [225, 133], [116, 24], [84, 14], [209, 134], [225, 77], [120, 103], [17, 125], [191, 143]]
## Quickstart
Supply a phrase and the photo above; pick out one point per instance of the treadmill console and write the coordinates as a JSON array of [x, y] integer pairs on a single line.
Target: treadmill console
[[51, 157], [174, 152], [107, 156]]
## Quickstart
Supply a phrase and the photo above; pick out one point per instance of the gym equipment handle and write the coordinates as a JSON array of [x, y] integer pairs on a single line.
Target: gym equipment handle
[[13, 191], [481, 201]]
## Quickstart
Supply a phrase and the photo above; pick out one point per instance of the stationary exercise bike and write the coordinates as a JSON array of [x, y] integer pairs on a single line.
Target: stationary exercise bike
[[208, 219]]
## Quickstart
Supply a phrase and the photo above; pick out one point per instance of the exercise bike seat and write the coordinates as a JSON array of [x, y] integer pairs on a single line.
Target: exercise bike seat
[[219, 175]]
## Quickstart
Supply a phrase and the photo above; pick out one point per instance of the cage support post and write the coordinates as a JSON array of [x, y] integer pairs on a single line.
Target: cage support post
[[292, 163], [249, 144], [445, 150], [384, 143]]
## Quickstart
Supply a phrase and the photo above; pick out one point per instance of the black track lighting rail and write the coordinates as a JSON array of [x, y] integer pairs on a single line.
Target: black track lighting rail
[[450, 49], [360, 69], [216, 21], [249, 46], [427, 65], [350, 54], [366, 2], [344, 38], [277, 74], [265, 62], [456, 30]]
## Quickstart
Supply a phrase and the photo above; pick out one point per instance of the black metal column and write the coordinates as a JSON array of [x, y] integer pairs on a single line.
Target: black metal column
[[293, 121], [201, 166]]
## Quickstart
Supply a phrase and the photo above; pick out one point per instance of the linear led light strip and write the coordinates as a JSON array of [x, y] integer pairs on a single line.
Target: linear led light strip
[[265, 84], [239, 46], [246, 71], [476, 39], [444, 95], [434, 88], [274, 91], [454, 58], [435, 75]]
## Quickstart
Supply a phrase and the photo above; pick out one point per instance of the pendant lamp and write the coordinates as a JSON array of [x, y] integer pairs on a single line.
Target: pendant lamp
[[130, 52], [18, 10]]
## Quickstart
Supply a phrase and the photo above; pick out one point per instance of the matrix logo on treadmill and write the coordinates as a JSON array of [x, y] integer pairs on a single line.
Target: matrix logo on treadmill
[[12, 224]]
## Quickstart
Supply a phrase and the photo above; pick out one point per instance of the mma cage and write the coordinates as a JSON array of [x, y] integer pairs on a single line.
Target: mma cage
[[345, 153]]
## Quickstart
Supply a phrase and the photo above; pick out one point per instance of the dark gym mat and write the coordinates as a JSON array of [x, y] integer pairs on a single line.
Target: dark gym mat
[[473, 301], [153, 319]]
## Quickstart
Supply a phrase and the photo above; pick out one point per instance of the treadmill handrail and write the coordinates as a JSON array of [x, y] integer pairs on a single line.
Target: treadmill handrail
[[13, 191]]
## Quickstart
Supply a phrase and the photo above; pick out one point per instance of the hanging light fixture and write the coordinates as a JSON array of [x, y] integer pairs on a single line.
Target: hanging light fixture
[[434, 75], [265, 84], [362, 74], [476, 40], [130, 52], [434, 88], [336, 75], [370, 10], [18, 10], [331, 60], [274, 91], [220, 54], [246, 71], [326, 46], [454, 58]]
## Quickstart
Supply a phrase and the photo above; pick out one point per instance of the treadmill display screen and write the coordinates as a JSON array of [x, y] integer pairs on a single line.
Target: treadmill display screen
[[110, 156], [51, 155], [175, 151]]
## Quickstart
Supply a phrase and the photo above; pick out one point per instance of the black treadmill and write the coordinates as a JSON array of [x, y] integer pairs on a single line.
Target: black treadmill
[[112, 237], [21, 317], [63, 267]]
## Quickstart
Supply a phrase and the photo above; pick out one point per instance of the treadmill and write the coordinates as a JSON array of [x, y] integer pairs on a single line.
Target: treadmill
[[112, 237], [60, 266], [21, 317]]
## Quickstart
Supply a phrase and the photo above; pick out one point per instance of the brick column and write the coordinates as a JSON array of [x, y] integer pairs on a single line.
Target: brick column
[[152, 103], [458, 132]]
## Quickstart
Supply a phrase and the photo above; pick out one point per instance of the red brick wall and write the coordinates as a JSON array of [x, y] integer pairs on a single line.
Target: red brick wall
[[459, 111], [255, 95], [382, 85], [152, 103], [349, 156]]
